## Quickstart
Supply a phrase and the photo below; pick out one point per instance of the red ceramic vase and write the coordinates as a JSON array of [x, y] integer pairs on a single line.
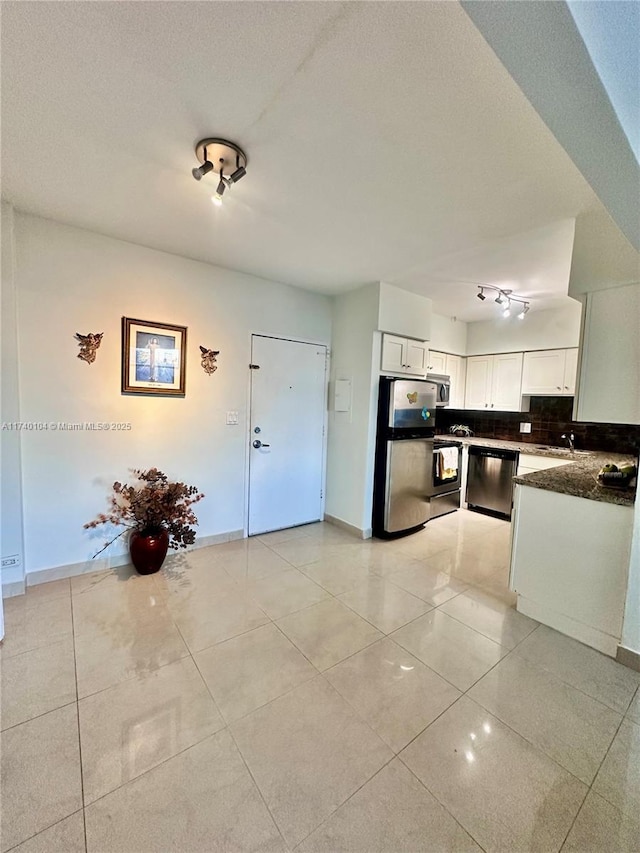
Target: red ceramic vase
[[148, 550]]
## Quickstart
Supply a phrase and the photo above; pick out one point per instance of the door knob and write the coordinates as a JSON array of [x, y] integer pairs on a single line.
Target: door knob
[[258, 444]]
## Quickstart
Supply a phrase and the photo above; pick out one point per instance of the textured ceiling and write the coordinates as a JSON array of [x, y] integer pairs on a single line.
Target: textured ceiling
[[385, 142]]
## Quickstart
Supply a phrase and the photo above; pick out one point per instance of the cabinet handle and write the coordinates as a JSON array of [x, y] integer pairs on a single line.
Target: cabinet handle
[[492, 405], [566, 387], [408, 366], [486, 405], [559, 388]]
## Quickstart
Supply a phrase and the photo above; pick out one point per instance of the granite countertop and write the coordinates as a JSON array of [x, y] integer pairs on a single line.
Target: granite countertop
[[578, 477]]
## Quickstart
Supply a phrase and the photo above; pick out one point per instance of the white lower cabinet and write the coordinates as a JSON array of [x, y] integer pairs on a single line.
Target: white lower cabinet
[[569, 564], [404, 355], [494, 382]]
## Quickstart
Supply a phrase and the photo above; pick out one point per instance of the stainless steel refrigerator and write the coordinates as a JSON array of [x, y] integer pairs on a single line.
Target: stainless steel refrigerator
[[404, 456]]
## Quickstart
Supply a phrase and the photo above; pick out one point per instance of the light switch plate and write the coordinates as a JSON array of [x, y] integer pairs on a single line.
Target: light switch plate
[[525, 427], [232, 418]]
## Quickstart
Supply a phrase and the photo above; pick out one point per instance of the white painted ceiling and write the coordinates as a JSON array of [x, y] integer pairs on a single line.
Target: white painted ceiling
[[385, 142]]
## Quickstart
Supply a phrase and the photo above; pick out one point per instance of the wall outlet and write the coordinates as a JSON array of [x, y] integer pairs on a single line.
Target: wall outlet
[[13, 560], [232, 418], [525, 427]]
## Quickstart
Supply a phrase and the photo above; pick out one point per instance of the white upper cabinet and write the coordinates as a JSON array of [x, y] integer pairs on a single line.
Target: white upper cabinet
[[455, 370], [404, 355], [479, 375], [452, 366], [550, 372], [506, 383], [437, 363], [570, 371], [609, 389], [494, 382]]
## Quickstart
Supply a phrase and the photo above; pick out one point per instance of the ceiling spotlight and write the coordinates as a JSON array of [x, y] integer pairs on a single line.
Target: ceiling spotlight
[[524, 311], [481, 295], [500, 298], [240, 172], [507, 308], [203, 170], [225, 155]]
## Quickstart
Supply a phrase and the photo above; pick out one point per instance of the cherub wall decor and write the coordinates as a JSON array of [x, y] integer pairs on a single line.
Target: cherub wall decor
[[208, 361], [88, 345]]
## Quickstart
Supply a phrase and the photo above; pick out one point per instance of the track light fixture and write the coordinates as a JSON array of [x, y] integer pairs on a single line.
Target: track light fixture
[[505, 299], [220, 156]]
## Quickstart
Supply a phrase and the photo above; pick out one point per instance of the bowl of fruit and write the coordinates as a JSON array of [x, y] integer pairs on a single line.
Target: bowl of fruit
[[611, 475]]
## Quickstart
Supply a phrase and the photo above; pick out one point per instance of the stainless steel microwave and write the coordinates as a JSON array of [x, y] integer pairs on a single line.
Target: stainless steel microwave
[[443, 385]]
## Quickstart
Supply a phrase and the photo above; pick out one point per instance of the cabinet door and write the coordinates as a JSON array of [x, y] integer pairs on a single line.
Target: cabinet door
[[393, 354], [570, 371], [437, 362], [417, 357], [543, 372], [506, 386], [455, 369], [479, 375]]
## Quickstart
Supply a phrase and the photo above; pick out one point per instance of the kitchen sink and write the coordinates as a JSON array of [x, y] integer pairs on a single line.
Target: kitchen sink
[[561, 451]]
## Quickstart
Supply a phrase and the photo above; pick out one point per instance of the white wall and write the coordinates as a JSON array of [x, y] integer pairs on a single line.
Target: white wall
[[70, 280], [448, 334], [403, 313], [11, 544], [355, 355], [552, 329]]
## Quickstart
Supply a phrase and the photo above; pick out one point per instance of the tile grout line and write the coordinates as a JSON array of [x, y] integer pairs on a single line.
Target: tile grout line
[[38, 716], [46, 829], [75, 667], [227, 727]]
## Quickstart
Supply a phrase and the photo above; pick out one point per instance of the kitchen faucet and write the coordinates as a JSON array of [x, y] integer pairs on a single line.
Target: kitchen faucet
[[570, 438]]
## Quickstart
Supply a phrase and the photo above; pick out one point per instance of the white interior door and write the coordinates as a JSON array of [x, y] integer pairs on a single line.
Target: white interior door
[[286, 456]]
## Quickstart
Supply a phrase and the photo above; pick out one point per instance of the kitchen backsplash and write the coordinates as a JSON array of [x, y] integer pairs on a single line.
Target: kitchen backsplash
[[549, 418]]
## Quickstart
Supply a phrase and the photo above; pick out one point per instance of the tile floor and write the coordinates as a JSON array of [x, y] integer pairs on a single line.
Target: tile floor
[[306, 690]]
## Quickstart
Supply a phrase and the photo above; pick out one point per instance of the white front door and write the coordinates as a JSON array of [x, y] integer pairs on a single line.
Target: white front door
[[286, 455]]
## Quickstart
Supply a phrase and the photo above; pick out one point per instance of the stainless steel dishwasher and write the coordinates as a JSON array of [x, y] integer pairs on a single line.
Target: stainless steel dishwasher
[[490, 479]]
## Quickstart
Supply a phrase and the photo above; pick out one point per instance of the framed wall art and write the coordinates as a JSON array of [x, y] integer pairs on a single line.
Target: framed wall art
[[153, 358]]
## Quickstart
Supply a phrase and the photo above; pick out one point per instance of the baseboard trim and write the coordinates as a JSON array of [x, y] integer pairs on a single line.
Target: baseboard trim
[[586, 634], [72, 570], [13, 588], [628, 657], [361, 533]]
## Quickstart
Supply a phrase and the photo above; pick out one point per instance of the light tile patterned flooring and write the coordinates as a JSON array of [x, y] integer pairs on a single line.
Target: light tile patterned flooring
[[306, 690]]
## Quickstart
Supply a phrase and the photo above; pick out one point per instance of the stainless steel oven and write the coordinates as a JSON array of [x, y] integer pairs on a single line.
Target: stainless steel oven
[[446, 477]]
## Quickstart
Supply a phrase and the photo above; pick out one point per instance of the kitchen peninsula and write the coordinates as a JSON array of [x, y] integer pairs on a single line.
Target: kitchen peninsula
[[570, 552]]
